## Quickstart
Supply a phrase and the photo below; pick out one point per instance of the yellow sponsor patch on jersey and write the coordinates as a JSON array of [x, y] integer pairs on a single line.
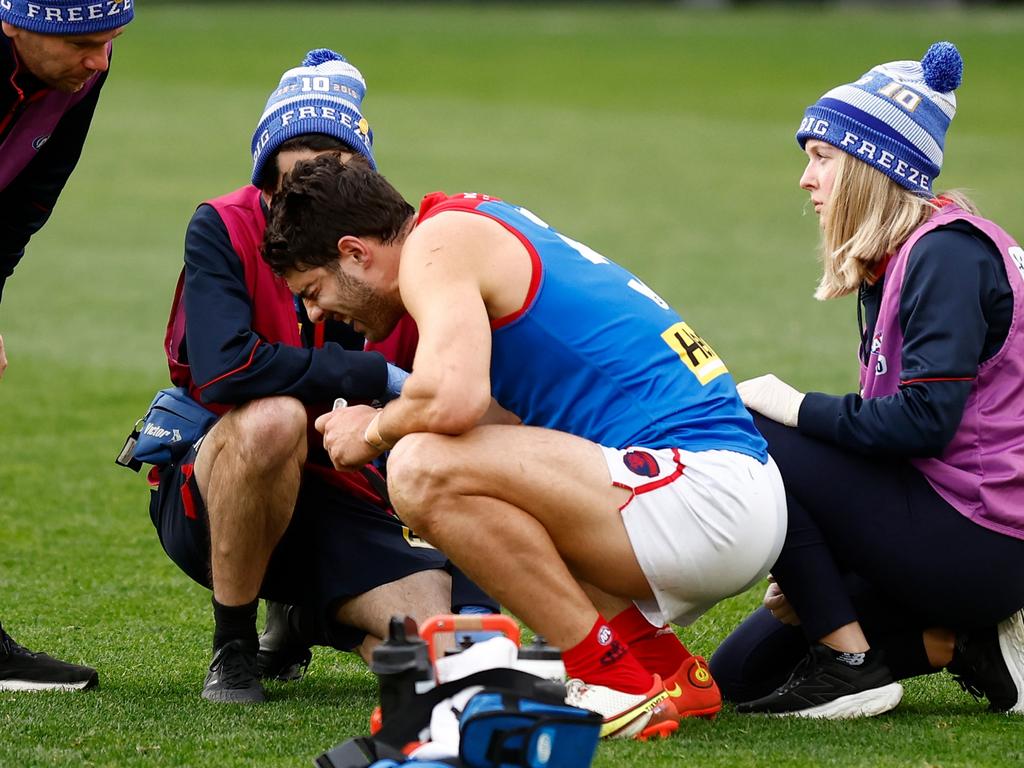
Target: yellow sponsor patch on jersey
[[413, 540], [696, 354]]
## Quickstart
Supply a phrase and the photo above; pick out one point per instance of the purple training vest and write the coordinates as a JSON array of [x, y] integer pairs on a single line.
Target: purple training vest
[[981, 471], [34, 127]]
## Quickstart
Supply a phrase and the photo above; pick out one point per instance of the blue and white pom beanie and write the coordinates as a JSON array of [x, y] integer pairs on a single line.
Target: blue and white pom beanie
[[67, 17], [894, 118], [322, 95]]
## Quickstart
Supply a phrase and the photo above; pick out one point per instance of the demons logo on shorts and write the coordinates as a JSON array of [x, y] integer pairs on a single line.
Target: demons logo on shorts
[[641, 463]]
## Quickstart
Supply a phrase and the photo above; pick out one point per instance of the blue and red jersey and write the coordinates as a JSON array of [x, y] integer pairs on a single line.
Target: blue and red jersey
[[596, 353]]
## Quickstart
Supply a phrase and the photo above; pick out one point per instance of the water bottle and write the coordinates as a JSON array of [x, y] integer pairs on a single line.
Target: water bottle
[[402, 666]]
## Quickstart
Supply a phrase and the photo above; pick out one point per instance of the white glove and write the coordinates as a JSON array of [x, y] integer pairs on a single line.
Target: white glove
[[772, 397]]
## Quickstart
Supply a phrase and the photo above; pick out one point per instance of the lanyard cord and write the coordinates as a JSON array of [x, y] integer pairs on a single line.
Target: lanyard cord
[[864, 347]]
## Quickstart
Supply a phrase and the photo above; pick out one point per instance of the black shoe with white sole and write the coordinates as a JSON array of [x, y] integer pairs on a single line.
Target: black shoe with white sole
[[24, 670], [232, 678], [832, 685], [990, 663]]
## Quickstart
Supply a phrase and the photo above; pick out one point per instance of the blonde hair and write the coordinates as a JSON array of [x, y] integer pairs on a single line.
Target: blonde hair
[[868, 216]]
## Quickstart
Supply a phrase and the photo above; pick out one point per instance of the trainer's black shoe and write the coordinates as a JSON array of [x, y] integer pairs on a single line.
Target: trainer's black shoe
[[23, 670], [831, 685], [232, 677], [282, 655], [990, 663]]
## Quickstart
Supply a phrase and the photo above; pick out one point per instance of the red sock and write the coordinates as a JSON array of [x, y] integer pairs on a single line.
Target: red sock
[[656, 648], [603, 659]]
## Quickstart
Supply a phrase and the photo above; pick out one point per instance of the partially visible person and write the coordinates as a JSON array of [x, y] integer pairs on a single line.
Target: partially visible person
[[905, 549], [54, 58], [636, 486], [254, 507]]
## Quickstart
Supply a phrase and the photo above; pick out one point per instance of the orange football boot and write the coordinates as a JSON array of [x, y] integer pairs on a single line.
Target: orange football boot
[[693, 691]]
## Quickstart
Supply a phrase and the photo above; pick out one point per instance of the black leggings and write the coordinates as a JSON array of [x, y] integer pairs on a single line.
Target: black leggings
[[869, 540]]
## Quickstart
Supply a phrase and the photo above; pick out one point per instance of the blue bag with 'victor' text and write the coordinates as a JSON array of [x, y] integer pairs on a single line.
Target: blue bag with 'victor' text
[[173, 423]]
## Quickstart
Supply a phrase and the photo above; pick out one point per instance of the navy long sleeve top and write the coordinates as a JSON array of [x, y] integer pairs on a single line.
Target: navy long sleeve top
[[229, 361], [954, 311]]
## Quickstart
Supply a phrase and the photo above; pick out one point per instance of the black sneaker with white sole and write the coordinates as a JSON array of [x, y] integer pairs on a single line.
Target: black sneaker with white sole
[[990, 663], [24, 670], [283, 655], [832, 685], [232, 678]]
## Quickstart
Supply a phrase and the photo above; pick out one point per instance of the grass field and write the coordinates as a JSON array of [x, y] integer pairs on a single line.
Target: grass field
[[661, 137]]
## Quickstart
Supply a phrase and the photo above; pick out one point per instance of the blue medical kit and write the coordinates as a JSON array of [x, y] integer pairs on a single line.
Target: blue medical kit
[[172, 424], [516, 721]]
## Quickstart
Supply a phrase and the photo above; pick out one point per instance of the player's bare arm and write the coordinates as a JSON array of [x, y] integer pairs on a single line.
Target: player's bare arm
[[457, 271]]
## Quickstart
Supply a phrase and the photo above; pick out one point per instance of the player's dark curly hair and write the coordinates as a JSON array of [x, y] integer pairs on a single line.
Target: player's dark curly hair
[[321, 201]]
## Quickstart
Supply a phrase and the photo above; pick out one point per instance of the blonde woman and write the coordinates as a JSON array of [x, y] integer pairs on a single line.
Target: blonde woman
[[905, 550]]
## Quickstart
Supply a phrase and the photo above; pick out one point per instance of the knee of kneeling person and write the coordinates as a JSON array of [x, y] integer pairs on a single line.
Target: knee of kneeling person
[[269, 431], [419, 479]]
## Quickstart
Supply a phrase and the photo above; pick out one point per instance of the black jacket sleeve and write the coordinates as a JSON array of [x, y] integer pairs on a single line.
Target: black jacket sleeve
[[230, 363], [26, 203], [955, 312]]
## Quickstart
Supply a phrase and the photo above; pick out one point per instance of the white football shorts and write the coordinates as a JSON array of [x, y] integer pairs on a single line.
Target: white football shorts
[[704, 525]]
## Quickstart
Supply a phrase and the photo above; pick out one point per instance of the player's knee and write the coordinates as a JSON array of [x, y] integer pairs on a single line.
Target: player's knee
[[418, 481], [269, 432]]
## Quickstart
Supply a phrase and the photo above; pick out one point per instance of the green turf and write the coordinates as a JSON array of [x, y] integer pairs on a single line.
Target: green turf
[[661, 137]]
